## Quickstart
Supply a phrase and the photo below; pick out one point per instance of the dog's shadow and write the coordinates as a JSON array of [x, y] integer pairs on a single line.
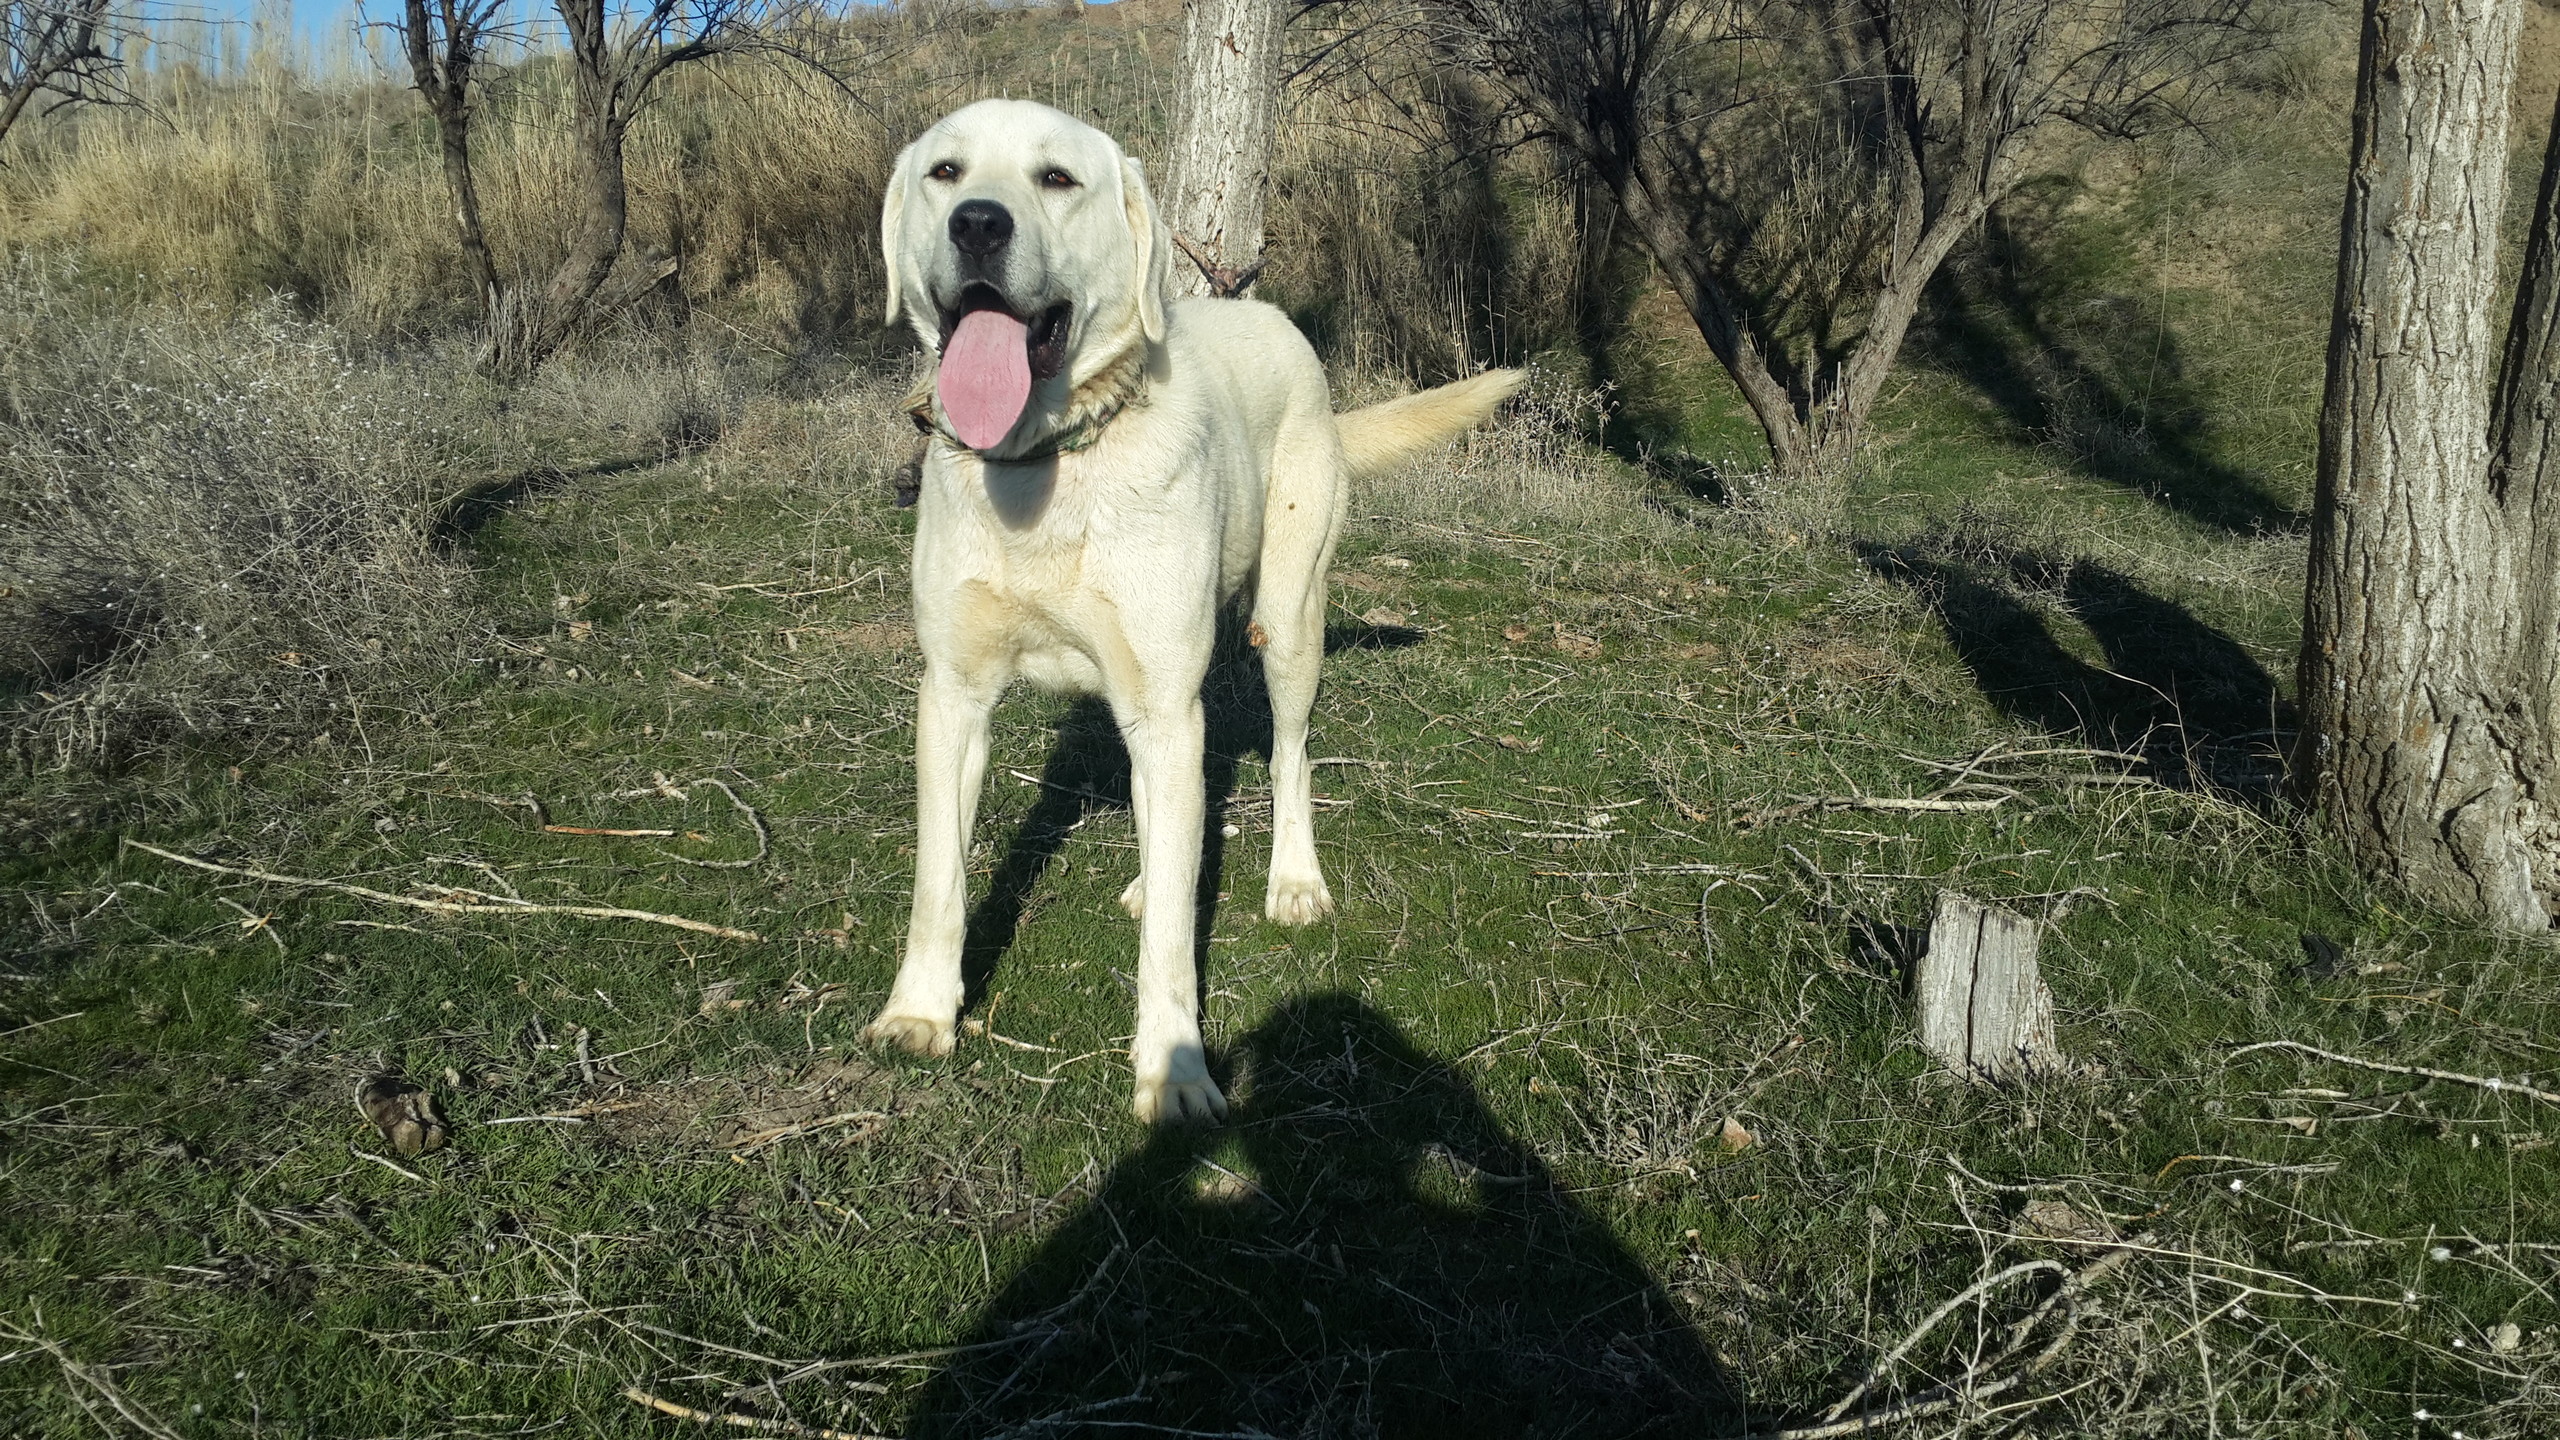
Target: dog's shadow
[[1088, 769], [1363, 1250]]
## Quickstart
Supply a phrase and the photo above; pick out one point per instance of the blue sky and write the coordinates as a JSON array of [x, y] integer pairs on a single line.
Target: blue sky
[[319, 27]]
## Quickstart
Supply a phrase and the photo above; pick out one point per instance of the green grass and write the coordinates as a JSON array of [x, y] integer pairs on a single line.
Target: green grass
[[1475, 1183]]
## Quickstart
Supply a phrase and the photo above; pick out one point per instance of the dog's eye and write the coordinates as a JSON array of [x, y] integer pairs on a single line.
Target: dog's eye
[[946, 171], [1057, 180]]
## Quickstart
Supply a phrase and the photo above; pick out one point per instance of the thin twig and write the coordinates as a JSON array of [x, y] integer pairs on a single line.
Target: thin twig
[[140, 1418], [387, 1163], [40, 1024], [493, 905], [2484, 1082], [1930, 804], [764, 836], [1954, 1303], [251, 920], [639, 1396]]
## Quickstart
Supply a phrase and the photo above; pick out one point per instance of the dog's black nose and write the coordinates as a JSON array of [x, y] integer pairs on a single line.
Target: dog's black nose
[[981, 227]]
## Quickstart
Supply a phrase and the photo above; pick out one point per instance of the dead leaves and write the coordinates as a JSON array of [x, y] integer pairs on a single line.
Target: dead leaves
[[407, 1115]]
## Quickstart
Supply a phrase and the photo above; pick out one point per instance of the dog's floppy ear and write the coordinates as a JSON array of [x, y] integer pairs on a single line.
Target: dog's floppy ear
[[893, 212], [1152, 245]]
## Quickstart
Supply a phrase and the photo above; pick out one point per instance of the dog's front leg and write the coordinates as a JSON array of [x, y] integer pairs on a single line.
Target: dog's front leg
[[951, 761], [1165, 750]]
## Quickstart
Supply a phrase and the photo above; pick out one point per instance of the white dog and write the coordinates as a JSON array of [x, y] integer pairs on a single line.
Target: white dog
[[1109, 467]]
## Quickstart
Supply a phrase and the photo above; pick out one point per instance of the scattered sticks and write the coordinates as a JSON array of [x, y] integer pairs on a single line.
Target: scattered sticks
[[86, 1380], [1969, 789], [2483, 1082], [1972, 1384], [480, 903], [761, 1425], [749, 1144]]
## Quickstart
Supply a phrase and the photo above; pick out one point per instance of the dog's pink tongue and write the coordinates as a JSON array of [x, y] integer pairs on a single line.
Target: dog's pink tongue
[[985, 378]]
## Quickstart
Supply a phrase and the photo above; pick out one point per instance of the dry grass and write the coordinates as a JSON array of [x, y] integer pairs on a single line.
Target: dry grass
[[214, 522], [1534, 463], [765, 182]]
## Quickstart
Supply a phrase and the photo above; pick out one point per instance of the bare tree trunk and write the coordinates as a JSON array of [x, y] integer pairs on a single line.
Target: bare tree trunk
[[443, 48], [2524, 482], [1221, 154], [2410, 685], [1726, 330]]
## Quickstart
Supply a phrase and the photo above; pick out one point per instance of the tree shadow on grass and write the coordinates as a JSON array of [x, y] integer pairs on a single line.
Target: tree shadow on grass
[[1088, 771], [2100, 376], [472, 511], [2171, 687], [1360, 1251]]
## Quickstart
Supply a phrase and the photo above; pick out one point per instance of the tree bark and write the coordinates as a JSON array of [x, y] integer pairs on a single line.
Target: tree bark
[[2524, 482], [1221, 154], [1979, 1000], [2410, 683]]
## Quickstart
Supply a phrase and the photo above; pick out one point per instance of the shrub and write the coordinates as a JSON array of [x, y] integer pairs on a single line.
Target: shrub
[[212, 524]]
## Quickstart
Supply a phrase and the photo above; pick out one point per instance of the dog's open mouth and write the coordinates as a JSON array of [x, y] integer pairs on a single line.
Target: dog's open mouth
[[990, 357]]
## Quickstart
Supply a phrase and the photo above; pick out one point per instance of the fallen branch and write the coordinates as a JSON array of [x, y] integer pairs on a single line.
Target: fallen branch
[[1938, 804], [483, 904], [619, 834], [638, 1396], [2484, 1082]]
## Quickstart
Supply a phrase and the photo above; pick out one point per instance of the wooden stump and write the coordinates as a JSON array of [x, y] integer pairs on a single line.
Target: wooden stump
[[1982, 1006]]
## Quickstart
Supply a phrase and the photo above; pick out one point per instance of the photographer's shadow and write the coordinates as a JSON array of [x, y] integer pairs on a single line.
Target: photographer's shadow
[[1359, 1251]]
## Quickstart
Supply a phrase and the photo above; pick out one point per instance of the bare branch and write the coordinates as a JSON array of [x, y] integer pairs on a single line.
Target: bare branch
[[64, 48]]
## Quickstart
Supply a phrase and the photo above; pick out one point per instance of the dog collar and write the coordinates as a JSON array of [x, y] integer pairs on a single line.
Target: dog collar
[[1082, 434]]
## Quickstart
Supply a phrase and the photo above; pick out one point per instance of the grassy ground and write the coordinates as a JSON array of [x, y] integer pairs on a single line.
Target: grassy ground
[[1596, 1110], [1480, 1177]]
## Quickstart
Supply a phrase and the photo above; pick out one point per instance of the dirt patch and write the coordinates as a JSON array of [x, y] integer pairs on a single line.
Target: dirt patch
[[869, 637], [830, 1101]]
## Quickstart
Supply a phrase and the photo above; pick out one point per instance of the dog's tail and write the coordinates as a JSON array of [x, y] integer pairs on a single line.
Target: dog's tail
[[1376, 437]]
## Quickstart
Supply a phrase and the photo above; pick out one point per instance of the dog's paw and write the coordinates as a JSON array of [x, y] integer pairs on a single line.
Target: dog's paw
[[1191, 1102], [1134, 899], [915, 1034], [1297, 900], [1178, 1090]]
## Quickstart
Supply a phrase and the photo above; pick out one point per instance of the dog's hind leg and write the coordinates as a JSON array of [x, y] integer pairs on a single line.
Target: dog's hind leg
[[951, 761], [1288, 610]]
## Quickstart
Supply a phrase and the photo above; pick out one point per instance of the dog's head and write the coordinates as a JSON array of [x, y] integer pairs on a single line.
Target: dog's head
[[1022, 245]]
